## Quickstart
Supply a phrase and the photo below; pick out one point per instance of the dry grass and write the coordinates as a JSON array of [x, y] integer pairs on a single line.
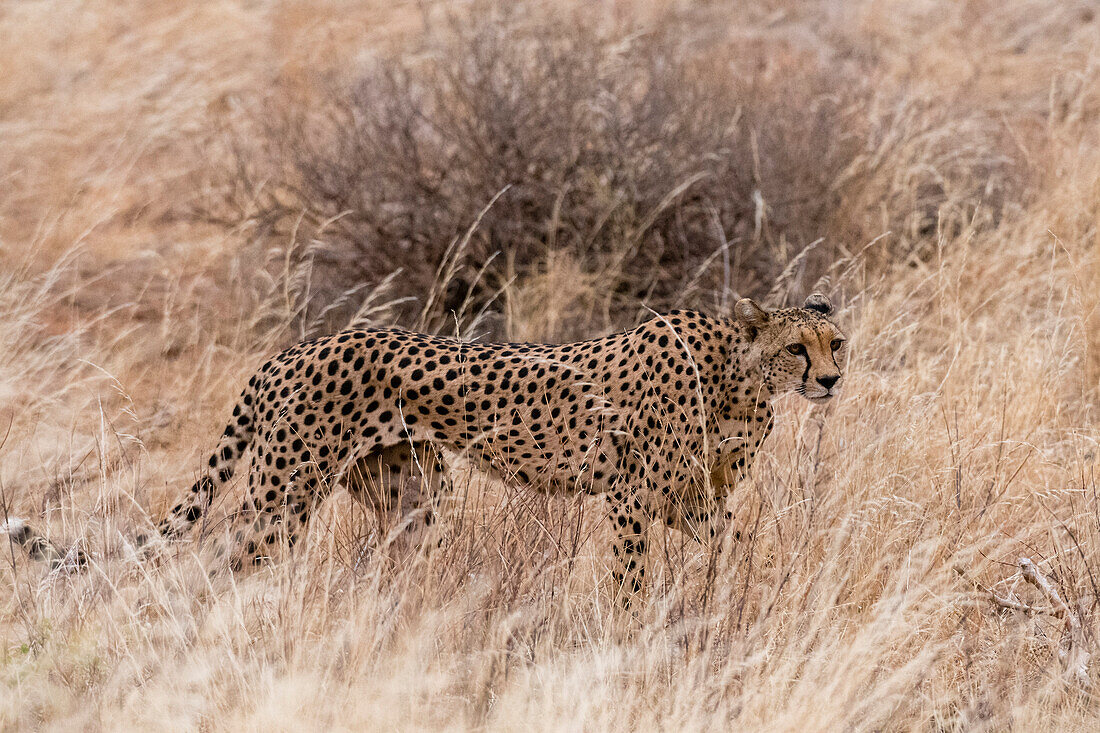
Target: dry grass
[[967, 433]]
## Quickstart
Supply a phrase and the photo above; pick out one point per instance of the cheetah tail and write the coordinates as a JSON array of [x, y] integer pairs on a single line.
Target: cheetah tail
[[39, 548], [234, 442]]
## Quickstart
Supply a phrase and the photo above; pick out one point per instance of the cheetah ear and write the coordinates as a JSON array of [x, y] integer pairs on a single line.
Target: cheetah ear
[[818, 302], [751, 316]]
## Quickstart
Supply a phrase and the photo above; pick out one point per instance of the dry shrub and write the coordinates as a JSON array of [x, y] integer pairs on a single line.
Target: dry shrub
[[650, 154]]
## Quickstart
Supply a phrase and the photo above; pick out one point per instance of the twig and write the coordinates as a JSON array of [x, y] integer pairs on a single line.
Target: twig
[[1032, 575], [1001, 601], [1071, 651]]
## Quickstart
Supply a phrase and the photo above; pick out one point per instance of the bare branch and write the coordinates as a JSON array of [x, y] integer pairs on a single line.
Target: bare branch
[[1032, 575], [1002, 601], [1071, 652]]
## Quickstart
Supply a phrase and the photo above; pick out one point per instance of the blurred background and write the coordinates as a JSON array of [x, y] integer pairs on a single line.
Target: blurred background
[[669, 152]]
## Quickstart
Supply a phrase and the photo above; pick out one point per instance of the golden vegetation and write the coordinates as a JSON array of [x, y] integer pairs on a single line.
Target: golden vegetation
[[187, 189]]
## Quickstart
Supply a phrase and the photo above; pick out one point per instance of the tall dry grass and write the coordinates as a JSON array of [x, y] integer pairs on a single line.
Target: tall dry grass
[[966, 435]]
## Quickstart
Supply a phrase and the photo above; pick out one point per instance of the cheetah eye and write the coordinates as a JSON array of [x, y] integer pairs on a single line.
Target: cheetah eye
[[797, 349], [836, 344]]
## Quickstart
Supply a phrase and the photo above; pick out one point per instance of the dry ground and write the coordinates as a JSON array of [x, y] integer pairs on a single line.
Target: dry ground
[[967, 435]]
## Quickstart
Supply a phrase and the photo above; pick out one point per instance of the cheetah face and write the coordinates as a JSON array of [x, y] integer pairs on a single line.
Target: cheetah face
[[798, 349]]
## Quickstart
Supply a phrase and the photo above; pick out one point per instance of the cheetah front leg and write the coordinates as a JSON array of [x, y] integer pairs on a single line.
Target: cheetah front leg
[[701, 512], [701, 517]]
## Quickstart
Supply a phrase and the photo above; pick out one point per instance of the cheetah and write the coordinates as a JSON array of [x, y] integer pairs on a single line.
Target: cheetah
[[663, 420]]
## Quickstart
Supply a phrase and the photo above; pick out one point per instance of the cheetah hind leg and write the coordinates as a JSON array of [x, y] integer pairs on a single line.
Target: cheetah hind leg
[[276, 512], [403, 484], [631, 519]]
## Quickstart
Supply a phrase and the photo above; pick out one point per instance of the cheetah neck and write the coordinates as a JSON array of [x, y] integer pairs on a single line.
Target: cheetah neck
[[745, 392]]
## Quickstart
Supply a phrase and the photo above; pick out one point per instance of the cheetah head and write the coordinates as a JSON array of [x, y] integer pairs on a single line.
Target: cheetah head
[[797, 349]]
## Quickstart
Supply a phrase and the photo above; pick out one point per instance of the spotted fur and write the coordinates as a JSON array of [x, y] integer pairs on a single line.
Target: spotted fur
[[663, 420]]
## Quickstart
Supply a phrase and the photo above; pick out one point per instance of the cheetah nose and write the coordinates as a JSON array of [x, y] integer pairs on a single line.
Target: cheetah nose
[[828, 382]]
